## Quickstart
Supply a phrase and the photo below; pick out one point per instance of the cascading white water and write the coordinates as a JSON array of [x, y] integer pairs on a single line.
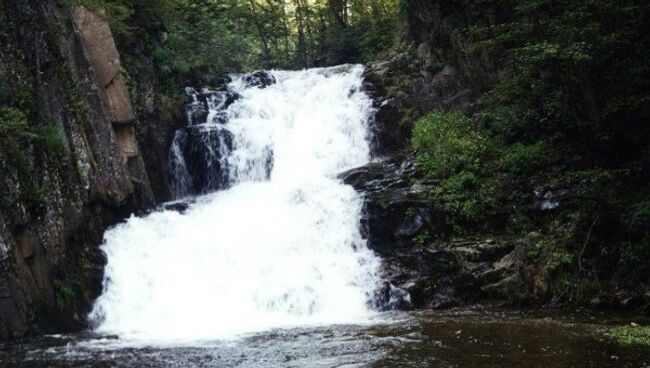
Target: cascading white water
[[267, 252]]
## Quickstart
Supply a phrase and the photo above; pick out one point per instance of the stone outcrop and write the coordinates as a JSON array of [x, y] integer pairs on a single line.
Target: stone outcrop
[[99, 49], [405, 88], [96, 39], [52, 220], [398, 224], [197, 158], [422, 266], [437, 73]]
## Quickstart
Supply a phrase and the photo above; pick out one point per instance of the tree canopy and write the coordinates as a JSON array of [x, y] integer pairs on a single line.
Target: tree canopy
[[235, 35]]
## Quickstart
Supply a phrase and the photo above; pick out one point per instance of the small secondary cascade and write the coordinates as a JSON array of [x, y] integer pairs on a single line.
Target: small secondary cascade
[[273, 240]]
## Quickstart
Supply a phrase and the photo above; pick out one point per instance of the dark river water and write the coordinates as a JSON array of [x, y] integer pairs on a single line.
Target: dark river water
[[423, 339]]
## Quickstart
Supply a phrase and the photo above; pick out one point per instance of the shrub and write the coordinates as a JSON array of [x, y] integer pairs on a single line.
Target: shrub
[[450, 149], [522, 158], [446, 144]]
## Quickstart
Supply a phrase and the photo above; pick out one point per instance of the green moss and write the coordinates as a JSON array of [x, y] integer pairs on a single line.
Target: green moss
[[78, 106], [422, 238], [631, 335], [14, 133], [15, 140], [50, 139], [168, 105], [65, 294], [13, 124], [434, 67]]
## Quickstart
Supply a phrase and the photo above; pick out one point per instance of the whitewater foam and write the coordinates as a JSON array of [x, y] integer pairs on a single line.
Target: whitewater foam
[[275, 251]]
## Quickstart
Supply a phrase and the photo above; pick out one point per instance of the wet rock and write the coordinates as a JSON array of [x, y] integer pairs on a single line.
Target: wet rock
[[401, 224], [209, 100], [398, 223], [407, 87], [548, 200], [394, 214], [197, 113], [396, 173], [260, 79], [389, 134], [217, 100], [179, 207], [203, 149], [390, 297]]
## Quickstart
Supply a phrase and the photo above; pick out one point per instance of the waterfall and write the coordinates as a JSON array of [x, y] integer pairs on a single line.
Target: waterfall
[[272, 238]]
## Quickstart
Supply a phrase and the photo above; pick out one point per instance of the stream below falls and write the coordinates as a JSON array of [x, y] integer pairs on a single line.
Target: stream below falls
[[395, 339]]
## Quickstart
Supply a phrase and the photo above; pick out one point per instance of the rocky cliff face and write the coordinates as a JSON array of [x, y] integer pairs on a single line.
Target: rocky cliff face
[[56, 206]]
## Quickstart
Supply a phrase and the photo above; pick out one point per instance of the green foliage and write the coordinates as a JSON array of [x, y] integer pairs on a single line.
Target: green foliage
[[450, 149], [638, 218], [559, 258], [448, 144], [168, 104], [14, 138], [422, 238], [571, 289], [572, 66], [631, 335], [434, 67], [524, 158], [635, 249], [459, 197], [17, 139]]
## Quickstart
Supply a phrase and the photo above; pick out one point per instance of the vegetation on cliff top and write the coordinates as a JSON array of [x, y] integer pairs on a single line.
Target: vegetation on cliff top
[[216, 36]]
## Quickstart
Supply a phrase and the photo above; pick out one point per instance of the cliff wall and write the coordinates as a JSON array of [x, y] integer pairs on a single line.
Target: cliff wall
[[80, 169]]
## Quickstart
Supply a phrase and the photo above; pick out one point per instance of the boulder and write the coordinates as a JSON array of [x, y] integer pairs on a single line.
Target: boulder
[[260, 79], [398, 225], [203, 150]]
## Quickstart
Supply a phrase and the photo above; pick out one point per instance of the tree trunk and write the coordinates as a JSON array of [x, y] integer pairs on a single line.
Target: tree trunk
[[300, 52], [283, 4], [263, 37]]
